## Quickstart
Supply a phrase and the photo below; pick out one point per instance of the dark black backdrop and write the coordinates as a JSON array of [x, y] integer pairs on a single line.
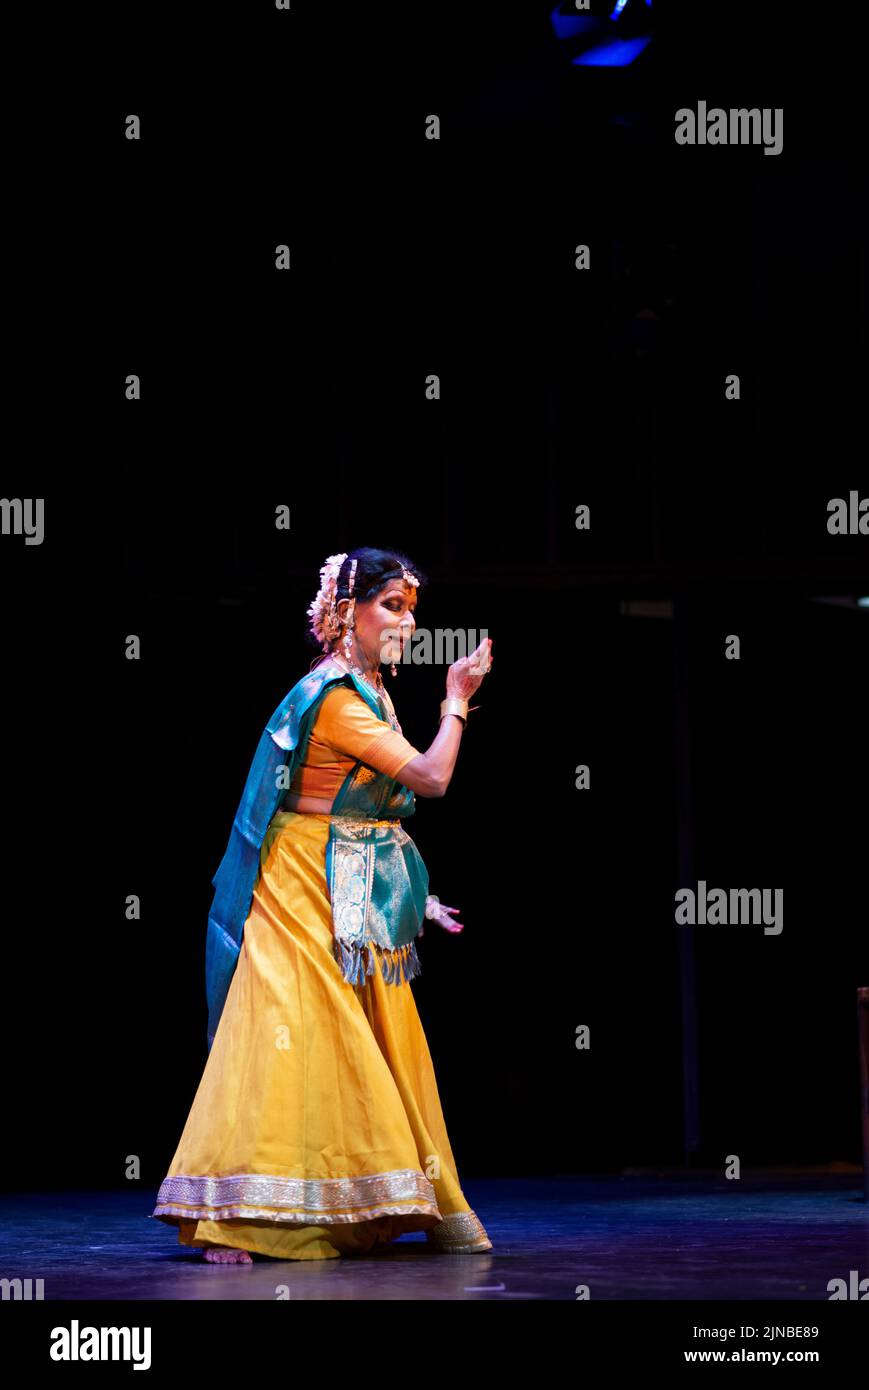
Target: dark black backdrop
[[307, 389]]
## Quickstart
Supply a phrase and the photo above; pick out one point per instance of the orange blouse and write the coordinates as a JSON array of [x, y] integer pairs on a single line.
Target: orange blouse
[[345, 730]]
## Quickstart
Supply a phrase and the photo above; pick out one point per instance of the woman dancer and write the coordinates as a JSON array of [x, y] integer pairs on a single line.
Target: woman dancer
[[317, 1130]]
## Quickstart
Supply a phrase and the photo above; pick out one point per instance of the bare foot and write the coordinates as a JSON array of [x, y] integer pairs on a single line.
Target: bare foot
[[226, 1255]]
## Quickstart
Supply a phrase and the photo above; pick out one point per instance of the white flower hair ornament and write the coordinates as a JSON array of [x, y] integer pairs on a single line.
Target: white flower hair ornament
[[324, 621]]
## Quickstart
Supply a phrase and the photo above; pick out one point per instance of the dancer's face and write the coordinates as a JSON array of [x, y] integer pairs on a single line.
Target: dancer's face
[[386, 623]]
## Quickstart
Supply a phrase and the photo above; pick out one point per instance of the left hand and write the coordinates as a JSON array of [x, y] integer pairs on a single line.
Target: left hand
[[445, 921]]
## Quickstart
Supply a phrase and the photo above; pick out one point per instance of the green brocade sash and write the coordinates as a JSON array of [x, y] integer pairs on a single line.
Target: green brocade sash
[[376, 878], [378, 884]]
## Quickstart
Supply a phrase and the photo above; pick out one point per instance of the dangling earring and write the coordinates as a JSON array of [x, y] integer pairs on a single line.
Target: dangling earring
[[392, 670], [347, 640]]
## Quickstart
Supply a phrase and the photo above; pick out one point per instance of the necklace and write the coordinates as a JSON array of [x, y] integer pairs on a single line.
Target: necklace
[[378, 688]]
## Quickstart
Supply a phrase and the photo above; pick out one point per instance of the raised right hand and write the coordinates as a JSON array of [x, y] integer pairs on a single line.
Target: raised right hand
[[465, 676]]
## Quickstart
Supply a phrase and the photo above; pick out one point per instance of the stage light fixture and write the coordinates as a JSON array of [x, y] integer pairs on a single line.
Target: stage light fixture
[[611, 33]]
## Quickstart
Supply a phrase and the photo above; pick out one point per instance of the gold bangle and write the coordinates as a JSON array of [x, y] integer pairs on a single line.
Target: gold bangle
[[453, 705]]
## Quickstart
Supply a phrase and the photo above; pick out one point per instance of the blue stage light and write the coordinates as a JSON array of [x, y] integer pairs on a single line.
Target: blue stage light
[[616, 54], [567, 26], [585, 38]]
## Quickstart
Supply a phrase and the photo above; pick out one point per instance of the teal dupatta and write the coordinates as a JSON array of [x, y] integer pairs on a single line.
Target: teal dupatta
[[376, 879]]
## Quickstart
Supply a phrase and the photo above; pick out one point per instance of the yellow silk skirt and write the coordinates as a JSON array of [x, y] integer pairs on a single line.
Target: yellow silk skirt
[[316, 1129]]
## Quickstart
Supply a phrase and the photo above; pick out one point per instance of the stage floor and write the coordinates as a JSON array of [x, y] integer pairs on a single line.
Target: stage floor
[[781, 1235]]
